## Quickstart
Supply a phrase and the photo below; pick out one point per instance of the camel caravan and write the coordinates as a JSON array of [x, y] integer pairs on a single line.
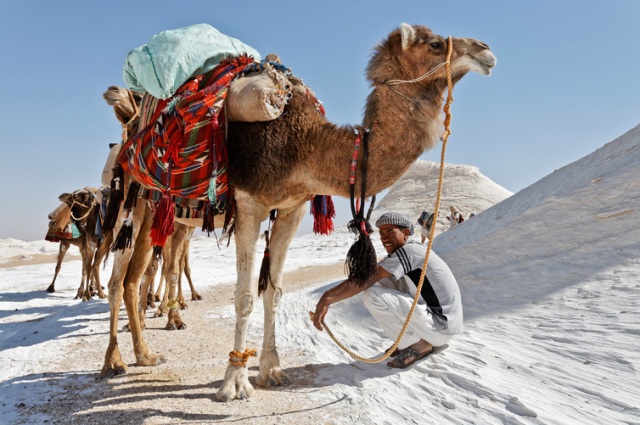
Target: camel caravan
[[226, 140]]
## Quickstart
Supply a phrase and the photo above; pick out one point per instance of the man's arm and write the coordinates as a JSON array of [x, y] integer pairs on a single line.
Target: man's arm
[[341, 292]]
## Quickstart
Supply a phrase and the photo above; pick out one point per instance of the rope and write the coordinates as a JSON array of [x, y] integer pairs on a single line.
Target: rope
[[93, 202], [136, 115], [445, 136], [244, 357]]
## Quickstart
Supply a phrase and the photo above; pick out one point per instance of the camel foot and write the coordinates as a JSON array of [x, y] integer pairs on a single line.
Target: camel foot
[[126, 327], [236, 385], [114, 368], [51, 288], [196, 297], [102, 295], [275, 377], [176, 326], [150, 359]]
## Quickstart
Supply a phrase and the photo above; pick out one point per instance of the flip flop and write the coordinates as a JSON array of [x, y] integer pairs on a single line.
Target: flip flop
[[399, 361]]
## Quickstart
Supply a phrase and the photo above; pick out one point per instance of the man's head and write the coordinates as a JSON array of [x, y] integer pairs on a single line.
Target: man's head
[[395, 230]]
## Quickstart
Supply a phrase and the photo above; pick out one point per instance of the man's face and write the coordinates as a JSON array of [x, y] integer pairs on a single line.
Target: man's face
[[392, 237]]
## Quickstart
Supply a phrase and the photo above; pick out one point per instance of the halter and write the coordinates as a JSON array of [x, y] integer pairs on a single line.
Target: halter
[[445, 136], [73, 203]]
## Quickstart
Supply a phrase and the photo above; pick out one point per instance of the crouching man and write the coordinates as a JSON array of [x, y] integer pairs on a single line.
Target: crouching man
[[389, 294]]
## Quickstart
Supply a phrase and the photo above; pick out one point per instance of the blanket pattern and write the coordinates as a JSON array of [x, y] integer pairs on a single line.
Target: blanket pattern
[[180, 151]]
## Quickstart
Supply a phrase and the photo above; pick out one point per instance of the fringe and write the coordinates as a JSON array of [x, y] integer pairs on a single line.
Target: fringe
[[115, 199], [361, 262], [265, 269], [132, 196], [323, 213], [125, 236], [162, 226]]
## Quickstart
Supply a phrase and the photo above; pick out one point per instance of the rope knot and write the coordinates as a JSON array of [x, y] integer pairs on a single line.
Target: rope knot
[[244, 357]]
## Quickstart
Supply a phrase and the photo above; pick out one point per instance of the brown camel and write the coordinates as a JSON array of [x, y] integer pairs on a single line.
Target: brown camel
[[280, 164], [82, 205]]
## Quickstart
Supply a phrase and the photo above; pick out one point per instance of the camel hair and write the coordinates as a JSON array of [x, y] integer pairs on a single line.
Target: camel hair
[[82, 206], [281, 164]]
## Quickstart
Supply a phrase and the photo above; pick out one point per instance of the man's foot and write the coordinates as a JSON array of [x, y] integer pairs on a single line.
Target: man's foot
[[407, 357], [394, 353]]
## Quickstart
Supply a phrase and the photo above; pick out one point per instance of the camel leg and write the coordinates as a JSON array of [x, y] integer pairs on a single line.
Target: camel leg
[[62, 250], [284, 229], [173, 275], [249, 216], [157, 295], [98, 258], [195, 296], [89, 250], [147, 277], [164, 301], [126, 268]]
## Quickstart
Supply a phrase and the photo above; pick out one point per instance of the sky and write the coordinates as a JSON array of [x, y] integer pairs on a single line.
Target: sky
[[550, 307], [565, 83]]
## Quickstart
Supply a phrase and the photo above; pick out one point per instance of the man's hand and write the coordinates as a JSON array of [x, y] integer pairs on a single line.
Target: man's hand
[[321, 310]]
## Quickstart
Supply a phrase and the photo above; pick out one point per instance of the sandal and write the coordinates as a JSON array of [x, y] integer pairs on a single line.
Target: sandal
[[400, 363], [394, 353]]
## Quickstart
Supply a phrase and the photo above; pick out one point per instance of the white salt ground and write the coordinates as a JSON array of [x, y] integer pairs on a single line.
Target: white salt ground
[[549, 279]]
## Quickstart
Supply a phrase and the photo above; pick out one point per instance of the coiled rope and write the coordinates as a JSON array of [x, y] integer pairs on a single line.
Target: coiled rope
[[445, 137]]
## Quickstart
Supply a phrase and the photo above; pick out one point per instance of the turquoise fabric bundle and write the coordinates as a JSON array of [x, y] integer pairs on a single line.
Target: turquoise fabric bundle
[[161, 66]]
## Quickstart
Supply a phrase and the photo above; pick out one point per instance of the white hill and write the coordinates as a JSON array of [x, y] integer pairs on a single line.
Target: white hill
[[464, 187]]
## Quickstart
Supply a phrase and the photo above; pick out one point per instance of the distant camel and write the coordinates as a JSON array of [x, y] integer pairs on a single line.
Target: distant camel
[[280, 164], [80, 209]]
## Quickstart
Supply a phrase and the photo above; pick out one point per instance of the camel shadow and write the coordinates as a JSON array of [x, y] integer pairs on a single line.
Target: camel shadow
[[34, 325]]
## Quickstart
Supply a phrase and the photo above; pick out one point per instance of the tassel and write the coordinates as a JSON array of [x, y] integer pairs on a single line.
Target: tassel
[[323, 213], [125, 236], [162, 226], [115, 199], [132, 195], [208, 224], [361, 262], [157, 253], [265, 269]]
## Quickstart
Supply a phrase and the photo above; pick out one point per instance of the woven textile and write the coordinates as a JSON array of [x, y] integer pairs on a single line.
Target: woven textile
[[181, 150]]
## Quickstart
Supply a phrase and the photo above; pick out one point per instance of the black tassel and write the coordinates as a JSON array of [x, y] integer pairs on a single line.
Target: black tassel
[[208, 224], [265, 269], [115, 199], [157, 252], [361, 262], [132, 196], [125, 236]]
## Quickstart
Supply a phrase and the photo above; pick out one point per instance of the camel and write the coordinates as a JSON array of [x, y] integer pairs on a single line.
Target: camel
[[82, 205], [280, 164]]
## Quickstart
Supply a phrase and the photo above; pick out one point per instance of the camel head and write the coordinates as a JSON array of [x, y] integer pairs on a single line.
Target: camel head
[[413, 51], [125, 103], [80, 201]]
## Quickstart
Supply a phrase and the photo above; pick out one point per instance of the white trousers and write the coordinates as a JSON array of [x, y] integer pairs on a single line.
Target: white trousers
[[390, 308]]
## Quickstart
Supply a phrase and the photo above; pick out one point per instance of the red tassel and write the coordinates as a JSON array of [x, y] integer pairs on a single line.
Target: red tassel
[[323, 213], [162, 226]]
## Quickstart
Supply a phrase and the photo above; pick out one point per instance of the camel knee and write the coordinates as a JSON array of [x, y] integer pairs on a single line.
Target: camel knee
[[244, 305]]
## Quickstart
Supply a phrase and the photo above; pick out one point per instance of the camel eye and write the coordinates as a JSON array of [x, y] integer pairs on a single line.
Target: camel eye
[[436, 45]]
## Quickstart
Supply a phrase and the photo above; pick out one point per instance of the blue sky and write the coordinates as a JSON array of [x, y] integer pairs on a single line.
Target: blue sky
[[566, 81]]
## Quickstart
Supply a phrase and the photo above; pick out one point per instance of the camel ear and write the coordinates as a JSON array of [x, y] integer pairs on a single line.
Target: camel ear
[[408, 35]]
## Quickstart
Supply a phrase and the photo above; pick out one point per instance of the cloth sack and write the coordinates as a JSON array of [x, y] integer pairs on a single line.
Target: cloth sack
[[166, 62]]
